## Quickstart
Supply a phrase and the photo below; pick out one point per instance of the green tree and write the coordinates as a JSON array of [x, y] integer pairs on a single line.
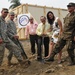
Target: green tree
[[14, 3]]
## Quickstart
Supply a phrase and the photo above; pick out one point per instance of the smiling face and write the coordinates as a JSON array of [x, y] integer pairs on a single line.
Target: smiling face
[[43, 19], [4, 13], [71, 8], [12, 17], [31, 20], [50, 15]]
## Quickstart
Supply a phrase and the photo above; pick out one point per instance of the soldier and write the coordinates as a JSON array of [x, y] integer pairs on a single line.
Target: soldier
[[12, 33], [68, 35], [5, 41]]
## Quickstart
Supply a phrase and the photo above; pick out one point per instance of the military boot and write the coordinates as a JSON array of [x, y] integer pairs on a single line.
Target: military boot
[[72, 62], [51, 58]]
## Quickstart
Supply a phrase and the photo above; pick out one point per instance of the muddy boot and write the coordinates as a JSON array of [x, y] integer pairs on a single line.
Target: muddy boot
[[51, 58], [25, 58], [72, 62]]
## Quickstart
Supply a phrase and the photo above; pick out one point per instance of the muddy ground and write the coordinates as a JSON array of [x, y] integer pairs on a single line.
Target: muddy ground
[[37, 68]]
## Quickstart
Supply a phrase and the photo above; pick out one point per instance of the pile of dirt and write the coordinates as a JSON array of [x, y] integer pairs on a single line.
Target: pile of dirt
[[36, 67]]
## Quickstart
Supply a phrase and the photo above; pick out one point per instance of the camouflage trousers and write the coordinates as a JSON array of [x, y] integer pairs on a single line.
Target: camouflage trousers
[[60, 45], [21, 49], [12, 48]]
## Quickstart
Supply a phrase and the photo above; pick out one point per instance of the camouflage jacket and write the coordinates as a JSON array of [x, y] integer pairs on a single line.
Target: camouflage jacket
[[3, 30], [69, 27], [11, 28]]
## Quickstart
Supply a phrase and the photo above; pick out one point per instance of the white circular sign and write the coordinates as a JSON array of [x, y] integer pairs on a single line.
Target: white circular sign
[[23, 20]]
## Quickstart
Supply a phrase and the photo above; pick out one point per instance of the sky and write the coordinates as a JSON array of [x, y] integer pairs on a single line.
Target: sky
[[50, 3]]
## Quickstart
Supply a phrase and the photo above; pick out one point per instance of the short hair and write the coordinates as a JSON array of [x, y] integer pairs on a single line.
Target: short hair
[[30, 18], [43, 17]]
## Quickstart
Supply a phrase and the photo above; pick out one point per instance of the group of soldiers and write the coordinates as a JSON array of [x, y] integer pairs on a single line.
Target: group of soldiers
[[10, 40]]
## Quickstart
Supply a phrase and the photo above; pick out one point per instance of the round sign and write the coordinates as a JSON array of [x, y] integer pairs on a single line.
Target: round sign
[[24, 20]]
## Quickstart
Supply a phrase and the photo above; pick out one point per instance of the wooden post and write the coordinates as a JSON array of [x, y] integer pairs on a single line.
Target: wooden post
[[18, 29], [26, 8], [59, 13], [44, 10]]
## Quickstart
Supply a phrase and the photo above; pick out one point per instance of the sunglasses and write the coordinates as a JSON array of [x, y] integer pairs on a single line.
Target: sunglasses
[[12, 15], [6, 12], [69, 6]]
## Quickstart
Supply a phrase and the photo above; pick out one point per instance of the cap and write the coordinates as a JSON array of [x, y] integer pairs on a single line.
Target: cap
[[5, 10], [11, 13], [71, 4]]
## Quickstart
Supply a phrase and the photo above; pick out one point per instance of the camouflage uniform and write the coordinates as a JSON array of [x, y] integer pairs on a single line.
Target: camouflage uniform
[[7, 42], [11, 31], [66, 38]]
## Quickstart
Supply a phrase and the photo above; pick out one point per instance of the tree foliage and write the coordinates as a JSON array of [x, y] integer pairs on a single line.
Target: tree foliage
[[14, 3]]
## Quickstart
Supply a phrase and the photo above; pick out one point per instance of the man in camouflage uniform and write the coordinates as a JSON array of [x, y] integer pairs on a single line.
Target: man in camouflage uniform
[[68, 35], [12, 33], [5, 41]]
